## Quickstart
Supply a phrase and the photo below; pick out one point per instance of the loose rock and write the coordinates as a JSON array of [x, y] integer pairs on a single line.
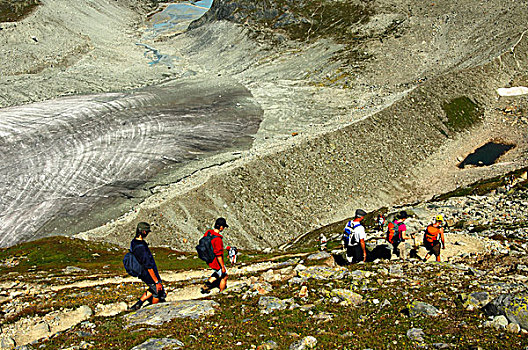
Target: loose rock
[[348, 297], [164, 312], [305, 343], [160, 344], [417, 308]]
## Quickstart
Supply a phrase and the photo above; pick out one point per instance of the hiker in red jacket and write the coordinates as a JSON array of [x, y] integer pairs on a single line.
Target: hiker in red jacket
[[219, 276]]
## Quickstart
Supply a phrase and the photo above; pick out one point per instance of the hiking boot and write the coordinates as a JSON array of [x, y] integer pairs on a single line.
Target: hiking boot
[[205, 291], [136, 306]]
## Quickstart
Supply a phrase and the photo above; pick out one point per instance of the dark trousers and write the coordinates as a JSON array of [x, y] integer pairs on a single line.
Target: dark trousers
[[355, 252]]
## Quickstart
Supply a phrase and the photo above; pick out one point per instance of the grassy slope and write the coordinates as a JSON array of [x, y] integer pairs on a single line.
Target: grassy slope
[[238, 321]]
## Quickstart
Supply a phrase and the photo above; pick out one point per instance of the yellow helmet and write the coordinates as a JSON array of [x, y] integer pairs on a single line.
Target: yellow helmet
[[439, 217]]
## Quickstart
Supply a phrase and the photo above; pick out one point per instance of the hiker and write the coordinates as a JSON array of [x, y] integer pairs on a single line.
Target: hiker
[[397, 235], [380, 222], [354, 239], [322, 241], [139, 248], [431, 238], [232, 252], [219, 276]]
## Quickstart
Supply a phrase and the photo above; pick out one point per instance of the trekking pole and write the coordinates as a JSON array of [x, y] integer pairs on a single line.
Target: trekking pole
[[414, 241]]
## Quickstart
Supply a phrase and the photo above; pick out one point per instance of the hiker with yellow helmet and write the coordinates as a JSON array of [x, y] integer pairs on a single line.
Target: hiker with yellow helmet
[[434, 238]]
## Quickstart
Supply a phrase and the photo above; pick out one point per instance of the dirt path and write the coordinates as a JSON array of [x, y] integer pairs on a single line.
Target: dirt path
[[455, 245], [191, 291]]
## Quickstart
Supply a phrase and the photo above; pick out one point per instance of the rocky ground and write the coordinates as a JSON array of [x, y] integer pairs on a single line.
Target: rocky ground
[[474, 299], [334, 81], [367, 105]]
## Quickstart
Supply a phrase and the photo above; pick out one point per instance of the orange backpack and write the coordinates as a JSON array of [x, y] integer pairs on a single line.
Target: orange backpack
[[393, 232], [431, 234]]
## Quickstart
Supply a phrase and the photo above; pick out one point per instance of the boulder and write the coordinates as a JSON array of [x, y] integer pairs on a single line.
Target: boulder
[[347, 297], [474, 300], [271, 276], [395, 270], [262, 287], [513, 307], [513, 328], [73, 269], [7, 343], [360, 274], [269, 345], [319, 256], [417, 308], [160, 344], [323, 272], [303, 293], [110, 309], [323, 316], [416, 335], [499, 322], [308, 342], [158, 314], [270, 304]]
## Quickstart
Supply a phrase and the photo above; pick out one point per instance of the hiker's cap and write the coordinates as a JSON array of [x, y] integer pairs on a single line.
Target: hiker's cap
[[221, 222], [403, 215], [143, 226], [439, 217], [360, 213]]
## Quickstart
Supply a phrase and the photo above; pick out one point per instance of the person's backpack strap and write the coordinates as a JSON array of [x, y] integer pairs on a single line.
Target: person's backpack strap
[[353, 240], [132, 250]]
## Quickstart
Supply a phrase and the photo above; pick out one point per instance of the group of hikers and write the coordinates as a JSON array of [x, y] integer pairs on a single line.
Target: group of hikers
[[211, 250], [148, 271], [354, 237]]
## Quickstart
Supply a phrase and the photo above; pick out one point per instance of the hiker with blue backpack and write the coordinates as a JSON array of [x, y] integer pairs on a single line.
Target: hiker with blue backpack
[[211, 250], [354, 237], [140, 263]]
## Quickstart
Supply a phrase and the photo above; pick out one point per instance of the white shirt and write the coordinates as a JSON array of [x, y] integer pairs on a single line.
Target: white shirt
[[359, 232]]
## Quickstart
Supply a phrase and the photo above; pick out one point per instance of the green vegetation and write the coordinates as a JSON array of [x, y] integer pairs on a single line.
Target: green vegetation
[[482, 187], [239, 323], [13, 11], [303, 20], [307, 21], [53, 254], [461, 113], [320, 19]]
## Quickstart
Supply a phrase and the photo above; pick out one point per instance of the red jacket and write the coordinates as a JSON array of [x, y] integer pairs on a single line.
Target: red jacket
[[218, 248]]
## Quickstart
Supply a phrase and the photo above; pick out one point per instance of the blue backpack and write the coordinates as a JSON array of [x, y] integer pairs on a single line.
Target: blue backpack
[[349, 238], [132, 265]]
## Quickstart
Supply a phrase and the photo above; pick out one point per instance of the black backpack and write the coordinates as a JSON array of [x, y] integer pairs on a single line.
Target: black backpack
[[132, 265], [205, 248]]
